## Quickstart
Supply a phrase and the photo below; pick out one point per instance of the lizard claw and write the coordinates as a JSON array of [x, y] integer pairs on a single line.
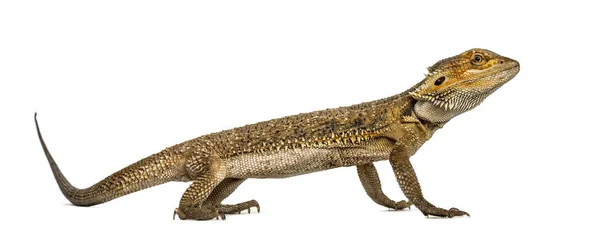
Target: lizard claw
[[221, 215], [401, 205], [239, 208], [255, 203], [455, 212]]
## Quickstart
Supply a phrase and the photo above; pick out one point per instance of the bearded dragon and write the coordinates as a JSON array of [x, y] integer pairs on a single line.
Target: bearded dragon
[[392, 128]]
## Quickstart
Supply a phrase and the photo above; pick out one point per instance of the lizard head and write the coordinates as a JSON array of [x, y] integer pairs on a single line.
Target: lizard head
[[458, 84]]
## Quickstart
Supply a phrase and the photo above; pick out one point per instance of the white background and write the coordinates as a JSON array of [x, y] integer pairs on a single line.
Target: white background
[[115, 81]]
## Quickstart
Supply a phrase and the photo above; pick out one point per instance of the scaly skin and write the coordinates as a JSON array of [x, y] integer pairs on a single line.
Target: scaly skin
[[392, 128]]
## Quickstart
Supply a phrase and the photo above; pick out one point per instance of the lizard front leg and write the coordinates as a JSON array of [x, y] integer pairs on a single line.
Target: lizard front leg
[[407, 178], [370, 182]]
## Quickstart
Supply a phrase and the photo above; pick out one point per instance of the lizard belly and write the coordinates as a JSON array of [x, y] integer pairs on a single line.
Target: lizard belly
[[293, 162]]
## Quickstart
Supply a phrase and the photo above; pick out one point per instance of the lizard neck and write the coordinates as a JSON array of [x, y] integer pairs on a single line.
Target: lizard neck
[[430, 119], [404, 106], [432, 126]]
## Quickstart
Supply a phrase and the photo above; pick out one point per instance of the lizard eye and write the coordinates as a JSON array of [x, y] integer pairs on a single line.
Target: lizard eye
[[477, 59], [440, 80]]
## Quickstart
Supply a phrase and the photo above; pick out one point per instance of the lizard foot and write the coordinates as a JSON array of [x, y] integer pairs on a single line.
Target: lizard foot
[[401, 205], [238, 208], [439, 212], [197, 213]]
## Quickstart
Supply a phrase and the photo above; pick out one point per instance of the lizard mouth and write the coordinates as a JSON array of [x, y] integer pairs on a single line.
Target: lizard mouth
[[511, 71]]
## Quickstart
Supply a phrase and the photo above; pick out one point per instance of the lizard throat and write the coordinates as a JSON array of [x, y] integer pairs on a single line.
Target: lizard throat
[[427, 111], [439, 113]]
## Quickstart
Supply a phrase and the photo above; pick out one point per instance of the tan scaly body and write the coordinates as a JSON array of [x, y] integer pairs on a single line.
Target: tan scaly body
[[392, 128]]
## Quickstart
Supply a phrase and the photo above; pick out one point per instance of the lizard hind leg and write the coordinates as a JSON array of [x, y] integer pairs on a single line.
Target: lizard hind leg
[[222, 191], [207, 174]]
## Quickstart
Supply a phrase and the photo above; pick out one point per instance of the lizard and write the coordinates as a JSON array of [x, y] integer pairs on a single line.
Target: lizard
[[391, 128]]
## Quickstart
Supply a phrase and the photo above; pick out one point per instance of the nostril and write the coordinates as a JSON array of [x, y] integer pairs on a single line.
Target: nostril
[[501, 61]]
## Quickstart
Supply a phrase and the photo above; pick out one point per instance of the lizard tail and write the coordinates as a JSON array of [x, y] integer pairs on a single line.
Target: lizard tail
[[151, 171]]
